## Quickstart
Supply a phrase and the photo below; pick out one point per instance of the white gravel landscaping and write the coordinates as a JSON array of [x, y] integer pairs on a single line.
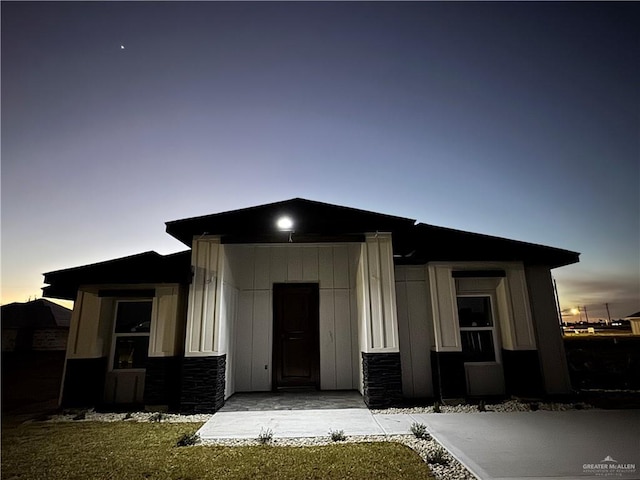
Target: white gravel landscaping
[[507, 406], [93, 416]]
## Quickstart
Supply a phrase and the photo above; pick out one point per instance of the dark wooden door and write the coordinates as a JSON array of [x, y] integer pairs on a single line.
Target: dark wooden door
[[296, 350]]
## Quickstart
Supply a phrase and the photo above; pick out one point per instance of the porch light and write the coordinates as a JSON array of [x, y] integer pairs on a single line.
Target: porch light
[[285, 224]]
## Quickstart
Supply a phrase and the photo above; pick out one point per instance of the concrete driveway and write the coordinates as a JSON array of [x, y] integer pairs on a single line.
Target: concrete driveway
[[577, 444], [536, 445]]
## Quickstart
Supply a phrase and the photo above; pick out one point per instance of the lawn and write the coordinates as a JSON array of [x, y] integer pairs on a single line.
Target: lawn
[[128, 450]]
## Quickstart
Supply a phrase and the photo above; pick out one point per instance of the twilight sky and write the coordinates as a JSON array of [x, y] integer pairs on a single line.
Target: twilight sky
[[519, 120]]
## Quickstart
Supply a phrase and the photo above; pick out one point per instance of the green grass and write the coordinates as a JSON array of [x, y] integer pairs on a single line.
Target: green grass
[[128, 450]]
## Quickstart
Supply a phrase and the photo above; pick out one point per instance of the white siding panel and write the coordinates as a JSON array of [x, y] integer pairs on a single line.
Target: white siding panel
[[420, 338], [327, 341], [310, 264], [355, 250], [404, 336], [231, 313], [294, 264], [355, 341], [278, 266], [162, 338], [343, 339], [340, 267], [262, 334], [522, 322], [325, 257], [445, 313], [261, 276], [374, 279], [256, 269], [415, 274], [244, 342], [242, 260], [86, 320]]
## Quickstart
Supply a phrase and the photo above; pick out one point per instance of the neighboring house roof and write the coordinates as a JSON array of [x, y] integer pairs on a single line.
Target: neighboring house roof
[[144, 268], [633, 315], [313, 222], [39, 313]]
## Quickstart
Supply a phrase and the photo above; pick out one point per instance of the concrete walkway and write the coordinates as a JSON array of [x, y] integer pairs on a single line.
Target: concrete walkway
[[538, 445]]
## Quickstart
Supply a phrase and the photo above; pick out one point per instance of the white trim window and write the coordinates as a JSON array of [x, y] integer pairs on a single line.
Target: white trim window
[[130, 345], [477, 328]]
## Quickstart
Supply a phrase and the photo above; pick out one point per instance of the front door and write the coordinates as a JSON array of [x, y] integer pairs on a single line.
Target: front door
[[296, 352]]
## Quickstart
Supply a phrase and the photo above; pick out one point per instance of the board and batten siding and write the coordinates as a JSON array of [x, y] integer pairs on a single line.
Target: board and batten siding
[[415, 330], [255, 269]]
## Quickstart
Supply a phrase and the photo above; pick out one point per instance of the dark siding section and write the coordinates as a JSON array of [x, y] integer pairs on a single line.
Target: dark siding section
[[449, 378], [84, 382], [522, 375], [162, 382]]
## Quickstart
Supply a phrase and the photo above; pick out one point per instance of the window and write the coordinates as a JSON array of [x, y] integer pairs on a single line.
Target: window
[[131, 334], [477, 328]]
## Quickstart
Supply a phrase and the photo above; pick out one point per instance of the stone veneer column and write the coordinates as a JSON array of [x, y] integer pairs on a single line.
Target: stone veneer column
[[204, 363], [203, 381], [381, 369], [382, 378]]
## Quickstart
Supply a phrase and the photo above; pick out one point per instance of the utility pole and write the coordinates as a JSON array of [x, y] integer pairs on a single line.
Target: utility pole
[[585, 313], [608, 314]]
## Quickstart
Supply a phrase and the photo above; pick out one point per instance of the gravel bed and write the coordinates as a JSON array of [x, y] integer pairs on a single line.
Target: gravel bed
[[93, 416], [507, 406]]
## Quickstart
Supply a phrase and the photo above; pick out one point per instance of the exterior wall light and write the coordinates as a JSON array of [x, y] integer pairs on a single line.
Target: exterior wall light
[[285, 224]]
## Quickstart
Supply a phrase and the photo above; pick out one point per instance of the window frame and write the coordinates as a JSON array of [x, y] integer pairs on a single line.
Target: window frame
[[115, 335], [493, 328]]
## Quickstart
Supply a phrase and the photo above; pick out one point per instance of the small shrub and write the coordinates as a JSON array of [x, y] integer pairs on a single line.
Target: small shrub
[[266, 436], [419, 430], [157, 417], [438, 457], [80, 416], [481, 406], [534, 406], [436, 407], [128, 416], [337, 435], [188, 439]]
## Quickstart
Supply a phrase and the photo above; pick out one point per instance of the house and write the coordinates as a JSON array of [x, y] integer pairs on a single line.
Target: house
[[34, 342], [36, 325], [303, 294], [634, 320]]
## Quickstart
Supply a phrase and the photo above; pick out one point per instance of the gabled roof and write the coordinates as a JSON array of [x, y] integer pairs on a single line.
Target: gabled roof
[[143, 268], [40, 313], [633, 315], [431, 243], [313, 221]]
